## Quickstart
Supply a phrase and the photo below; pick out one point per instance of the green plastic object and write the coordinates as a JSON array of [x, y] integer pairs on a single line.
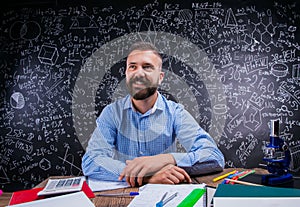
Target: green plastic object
[[192, 198]]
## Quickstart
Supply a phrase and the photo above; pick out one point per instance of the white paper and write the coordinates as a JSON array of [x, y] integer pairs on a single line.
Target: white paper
[[210, 192], [100, 185], [78, 199], [150, 194], [256, 201]]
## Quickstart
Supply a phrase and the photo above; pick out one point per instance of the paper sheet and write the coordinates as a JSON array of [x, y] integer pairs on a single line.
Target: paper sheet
[[100, 185], [150, 194]]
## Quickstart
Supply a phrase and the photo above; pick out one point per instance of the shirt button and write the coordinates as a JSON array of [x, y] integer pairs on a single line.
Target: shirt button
[[141, 153]]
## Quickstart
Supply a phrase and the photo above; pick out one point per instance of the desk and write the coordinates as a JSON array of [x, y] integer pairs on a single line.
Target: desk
[[124, 201]]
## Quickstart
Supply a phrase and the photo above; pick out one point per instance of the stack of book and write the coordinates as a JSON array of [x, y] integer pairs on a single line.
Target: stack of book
[[228, 195]]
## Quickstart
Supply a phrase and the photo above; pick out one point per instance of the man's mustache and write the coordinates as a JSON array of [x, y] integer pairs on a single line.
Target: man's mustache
[[139, 80]]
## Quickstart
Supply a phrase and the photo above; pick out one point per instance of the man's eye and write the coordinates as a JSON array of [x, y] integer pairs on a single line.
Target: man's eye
[[148, 67]]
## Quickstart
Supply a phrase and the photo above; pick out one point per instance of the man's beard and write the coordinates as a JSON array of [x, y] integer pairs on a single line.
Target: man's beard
[[143, 93]]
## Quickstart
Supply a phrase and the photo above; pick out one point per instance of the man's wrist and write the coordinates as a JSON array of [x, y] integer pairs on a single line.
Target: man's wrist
[[168, 159]]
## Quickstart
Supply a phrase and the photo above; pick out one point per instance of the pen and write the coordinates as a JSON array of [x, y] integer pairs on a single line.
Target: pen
[[236, 175], [243, 182], [119, 194], [240, 175], [163, 202], [225, 181], [224, 176], [170, 198]]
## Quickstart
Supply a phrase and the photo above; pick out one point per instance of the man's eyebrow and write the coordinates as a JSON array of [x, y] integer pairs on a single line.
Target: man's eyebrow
[[131, 63]]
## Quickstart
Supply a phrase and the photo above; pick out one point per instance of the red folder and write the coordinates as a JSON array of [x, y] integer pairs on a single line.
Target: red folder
[[87, 190], [24, 196]]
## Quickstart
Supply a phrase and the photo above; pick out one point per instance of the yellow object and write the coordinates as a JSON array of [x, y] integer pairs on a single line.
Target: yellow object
[[224, 176]]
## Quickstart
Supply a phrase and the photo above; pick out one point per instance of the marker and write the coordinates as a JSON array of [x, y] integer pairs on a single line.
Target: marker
[[230, 177], [1, 192], [192, 198], [119, 194], [224, 176], [246, 174], [240, 175]]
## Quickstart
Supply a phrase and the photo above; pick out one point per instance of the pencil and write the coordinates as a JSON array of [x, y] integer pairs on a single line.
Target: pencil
[[223, 176], [242, 182]]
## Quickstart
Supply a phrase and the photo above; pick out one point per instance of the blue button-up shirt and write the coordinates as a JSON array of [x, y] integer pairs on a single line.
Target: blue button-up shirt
[[123, 133]]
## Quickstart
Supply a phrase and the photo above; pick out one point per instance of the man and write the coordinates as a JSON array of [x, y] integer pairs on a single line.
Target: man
[[135, 137]]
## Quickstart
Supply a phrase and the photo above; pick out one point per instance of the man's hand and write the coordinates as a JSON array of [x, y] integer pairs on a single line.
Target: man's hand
[[170, 174], [140, 167]]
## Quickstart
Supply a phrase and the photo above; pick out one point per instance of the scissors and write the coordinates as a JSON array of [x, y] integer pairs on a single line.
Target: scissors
[[163, 202]]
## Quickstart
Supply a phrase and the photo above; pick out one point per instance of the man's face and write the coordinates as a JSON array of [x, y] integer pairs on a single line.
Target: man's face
[[143, 73]]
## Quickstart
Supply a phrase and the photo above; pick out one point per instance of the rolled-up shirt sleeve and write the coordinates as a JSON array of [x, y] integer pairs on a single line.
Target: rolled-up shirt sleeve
[[202, 154]]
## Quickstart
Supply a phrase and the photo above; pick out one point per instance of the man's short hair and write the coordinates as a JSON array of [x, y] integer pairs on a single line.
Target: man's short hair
[[143, 46]]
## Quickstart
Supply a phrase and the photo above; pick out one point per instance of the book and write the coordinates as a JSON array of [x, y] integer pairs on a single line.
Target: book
[[151, 194], [24, 196], [77, 199], [228, 195], [210, 192]]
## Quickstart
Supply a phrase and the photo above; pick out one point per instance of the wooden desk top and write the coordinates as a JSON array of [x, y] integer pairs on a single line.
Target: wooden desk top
[[101, 201], [4, 199]]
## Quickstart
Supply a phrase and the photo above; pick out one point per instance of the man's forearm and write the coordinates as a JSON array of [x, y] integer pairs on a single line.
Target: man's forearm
[[103, 168]]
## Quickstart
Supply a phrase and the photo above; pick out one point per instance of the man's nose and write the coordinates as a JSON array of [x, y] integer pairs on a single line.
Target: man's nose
[[139, 72]]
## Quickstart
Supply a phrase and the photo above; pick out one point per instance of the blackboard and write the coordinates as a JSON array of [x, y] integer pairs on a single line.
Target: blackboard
[[234, 65]]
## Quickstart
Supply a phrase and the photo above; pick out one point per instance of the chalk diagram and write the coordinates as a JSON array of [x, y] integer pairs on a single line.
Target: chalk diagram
[[17, 100], [83, 21]]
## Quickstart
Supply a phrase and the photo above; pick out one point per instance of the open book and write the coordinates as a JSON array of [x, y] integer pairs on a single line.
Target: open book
[[151, 194]]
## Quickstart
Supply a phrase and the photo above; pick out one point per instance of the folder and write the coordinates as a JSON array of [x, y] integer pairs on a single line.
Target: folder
[[236, 195], [24, 196]]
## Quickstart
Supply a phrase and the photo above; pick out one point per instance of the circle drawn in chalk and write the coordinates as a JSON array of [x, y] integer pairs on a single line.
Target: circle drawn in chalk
[[17, 100], [25, 30]]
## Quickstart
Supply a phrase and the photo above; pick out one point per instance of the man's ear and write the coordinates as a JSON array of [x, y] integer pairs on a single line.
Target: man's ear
[[161, 77]]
